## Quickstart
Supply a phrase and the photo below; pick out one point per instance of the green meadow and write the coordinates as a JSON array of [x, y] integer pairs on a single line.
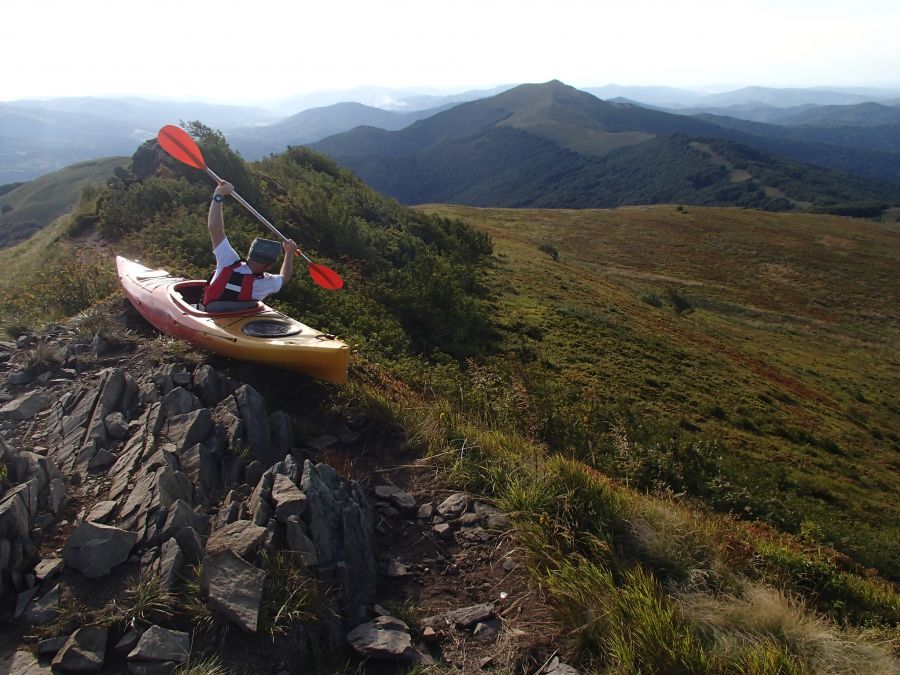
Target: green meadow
[[769, 340]]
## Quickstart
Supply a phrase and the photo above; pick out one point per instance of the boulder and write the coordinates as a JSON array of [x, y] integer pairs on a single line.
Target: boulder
[[15, 517], [162, 644], [204, 468], [339, 520], [188, 429], [462, 618], [234, 587], [242, 536], [209, 384], [44, 609], [299, 543], [116, 425], [83, 652], [48, 568], [287, 498], [179, 401], [173, 486], [382, 638], [252, 408], [171, 562], [180, 515], [95, 549], [102, 511], [190, 544], [24, 407], [454, 506]]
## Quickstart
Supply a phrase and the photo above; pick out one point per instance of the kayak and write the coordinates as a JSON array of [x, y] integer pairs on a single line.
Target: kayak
[[259, 334]]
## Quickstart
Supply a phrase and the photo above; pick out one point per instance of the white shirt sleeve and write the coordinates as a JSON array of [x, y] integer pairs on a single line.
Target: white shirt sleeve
[[270, 283], [225, 255]]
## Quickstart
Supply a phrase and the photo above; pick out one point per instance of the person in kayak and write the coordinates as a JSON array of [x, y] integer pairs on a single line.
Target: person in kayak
[[238, 283]]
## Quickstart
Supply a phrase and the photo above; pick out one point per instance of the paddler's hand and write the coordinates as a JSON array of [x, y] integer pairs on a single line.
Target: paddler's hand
[[290, 248], [225, 188]]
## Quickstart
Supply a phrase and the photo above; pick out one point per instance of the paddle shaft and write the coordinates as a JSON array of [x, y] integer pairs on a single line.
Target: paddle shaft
[[260, 217]]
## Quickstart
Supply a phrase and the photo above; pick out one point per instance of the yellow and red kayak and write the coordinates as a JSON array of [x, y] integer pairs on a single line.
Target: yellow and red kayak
[[260, 334]]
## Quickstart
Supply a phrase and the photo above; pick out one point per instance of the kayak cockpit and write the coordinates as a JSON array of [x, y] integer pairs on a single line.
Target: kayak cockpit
[[188, 294]]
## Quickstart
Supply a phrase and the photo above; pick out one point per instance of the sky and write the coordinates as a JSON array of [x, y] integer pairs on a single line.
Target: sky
[[259, 51]]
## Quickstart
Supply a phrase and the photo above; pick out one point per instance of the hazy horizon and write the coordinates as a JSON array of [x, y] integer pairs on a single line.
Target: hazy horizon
[[224, 53]]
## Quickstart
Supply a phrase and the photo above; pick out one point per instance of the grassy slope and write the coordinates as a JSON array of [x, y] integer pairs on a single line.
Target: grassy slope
[[794, 335], [37, 203]]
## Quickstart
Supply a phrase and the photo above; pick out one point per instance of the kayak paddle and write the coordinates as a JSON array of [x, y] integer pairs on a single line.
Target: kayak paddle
[[181, 146]]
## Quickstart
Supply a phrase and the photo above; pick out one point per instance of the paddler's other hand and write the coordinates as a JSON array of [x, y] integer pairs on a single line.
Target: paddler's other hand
[[225, 188], [290, 248]]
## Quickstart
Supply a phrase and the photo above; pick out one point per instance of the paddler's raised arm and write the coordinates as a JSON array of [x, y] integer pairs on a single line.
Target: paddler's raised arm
[[216, 221], [287, 266]]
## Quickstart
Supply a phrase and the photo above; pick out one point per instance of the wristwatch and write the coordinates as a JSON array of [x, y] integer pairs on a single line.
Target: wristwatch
[[218, 198]]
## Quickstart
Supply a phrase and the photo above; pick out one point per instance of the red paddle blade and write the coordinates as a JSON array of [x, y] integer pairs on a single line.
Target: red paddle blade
[[177, 143], [326, 278]]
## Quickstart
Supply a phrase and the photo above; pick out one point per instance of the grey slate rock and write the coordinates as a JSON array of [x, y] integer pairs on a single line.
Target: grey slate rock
[[95, 549], [299, 543], [209, 384], [102, 512], [48, 568], [287, 498], [339, 520], [162, 644], [252, 408], [454, 506], [190, 543], [242, 536], [25, 407], [382, 638], [15, 515], [43, 610], [188, 429], [234, 587], [180, 515], [179, 401], [462, 618], [84, 651]]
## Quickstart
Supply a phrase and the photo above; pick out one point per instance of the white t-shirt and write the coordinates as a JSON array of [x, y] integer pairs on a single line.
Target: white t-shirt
[[266, 285]]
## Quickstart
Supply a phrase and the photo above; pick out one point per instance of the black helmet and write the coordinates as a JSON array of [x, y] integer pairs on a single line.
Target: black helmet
[[264, 251]]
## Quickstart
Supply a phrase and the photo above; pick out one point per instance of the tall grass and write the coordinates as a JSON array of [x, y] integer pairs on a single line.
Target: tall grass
[[643, 583]]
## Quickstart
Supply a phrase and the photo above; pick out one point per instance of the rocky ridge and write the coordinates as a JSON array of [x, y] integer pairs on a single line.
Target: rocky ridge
[[117, 470]]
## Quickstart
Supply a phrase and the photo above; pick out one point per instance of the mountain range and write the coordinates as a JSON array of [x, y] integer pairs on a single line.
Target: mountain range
[[554, 144], [551, 145]]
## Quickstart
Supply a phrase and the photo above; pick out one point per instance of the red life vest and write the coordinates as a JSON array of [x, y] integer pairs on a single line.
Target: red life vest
[[230, 285]]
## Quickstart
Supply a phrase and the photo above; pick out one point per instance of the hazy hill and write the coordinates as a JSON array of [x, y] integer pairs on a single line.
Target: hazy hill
[[387, 98], [35, 204], [315, 124], [36, 141], [152, 114], [40, 136], [867, 114], [788, 97], [552, 145], [745, 97]]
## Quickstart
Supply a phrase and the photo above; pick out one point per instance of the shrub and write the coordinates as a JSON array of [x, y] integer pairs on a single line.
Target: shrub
[[679, 302], [652, 299], [550, 250]]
